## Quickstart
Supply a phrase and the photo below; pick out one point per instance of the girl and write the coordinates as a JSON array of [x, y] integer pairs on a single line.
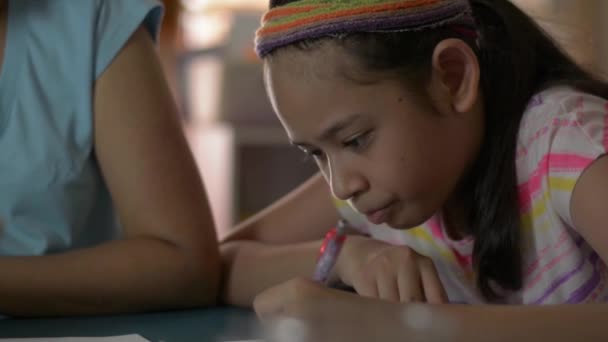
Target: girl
[[464, 145], [89, 137]]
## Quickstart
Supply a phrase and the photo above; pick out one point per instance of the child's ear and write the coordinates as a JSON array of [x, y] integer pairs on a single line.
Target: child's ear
[[455, 72]]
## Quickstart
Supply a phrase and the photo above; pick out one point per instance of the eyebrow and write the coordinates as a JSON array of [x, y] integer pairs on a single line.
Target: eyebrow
[[332, 130]]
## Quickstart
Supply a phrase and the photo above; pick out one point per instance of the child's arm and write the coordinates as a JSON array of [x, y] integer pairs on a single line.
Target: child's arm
[[305, 214], [280, 243], [330, 315], [585, 322], [251, 267], [283, 242], [169, 256]]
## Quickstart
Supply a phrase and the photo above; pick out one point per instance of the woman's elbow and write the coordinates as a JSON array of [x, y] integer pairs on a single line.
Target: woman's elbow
[[201, 277]]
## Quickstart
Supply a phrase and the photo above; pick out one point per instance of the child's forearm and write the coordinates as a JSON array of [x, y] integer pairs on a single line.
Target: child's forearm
[[251, 267], [122, 276], [505, 323], [585, 322]]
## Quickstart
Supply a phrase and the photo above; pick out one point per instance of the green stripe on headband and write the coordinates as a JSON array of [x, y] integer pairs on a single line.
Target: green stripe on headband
[[316, 7], [307, 19]]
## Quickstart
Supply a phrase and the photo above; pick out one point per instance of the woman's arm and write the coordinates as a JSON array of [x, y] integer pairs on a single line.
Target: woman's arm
[[589, 206], [169, 256]]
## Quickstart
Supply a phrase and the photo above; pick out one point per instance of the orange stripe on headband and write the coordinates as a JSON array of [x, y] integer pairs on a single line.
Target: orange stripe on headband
[[346, 13], [282, 11], [311, 19]]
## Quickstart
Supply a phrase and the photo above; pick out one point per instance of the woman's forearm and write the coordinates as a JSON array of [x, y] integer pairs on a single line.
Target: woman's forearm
[[121, 276]]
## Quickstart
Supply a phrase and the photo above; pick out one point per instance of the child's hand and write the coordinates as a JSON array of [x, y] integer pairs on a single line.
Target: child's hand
[[302, 310], [395, 273]]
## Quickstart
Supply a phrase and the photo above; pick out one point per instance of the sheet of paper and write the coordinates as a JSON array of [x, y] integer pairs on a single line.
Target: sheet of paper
[[123, 338]]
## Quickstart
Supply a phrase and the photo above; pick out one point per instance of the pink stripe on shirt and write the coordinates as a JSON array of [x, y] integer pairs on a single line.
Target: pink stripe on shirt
[[555, 162], [563, 237], [555, 261]]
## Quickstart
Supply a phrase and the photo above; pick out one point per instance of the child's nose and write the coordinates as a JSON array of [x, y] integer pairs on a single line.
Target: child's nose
[[346, 183]]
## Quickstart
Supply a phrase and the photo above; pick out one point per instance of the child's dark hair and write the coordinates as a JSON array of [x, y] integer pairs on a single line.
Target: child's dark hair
[[517, 60]]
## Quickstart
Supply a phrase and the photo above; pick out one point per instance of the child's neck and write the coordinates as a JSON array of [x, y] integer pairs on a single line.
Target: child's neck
[[454, 216]]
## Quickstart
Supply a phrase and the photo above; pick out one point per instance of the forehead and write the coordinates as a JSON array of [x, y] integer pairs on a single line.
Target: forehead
[[325, 69], [305, 85], [319, 56], [296, 70], [312, 88]]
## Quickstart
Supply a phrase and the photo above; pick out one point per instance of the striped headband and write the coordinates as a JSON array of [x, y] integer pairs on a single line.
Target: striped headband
[[310, 19]]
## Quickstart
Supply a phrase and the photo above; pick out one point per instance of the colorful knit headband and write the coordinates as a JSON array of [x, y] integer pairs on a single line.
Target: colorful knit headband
[[309, 19]]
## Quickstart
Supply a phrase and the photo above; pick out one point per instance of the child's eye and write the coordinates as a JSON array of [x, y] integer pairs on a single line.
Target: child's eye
[[316, 153], [313, 153], [358, 142]]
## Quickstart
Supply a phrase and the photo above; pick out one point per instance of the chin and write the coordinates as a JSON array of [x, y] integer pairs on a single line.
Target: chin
[[401, 226], [407, 221]]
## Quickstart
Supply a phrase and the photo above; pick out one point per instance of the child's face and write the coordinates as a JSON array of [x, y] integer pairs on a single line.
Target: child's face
[[392, 158]]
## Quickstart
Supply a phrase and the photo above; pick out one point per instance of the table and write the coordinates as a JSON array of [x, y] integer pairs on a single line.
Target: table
[[208, 325]]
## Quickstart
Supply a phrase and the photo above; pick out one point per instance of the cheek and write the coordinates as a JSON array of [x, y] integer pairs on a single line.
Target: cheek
[[409, 169], [393, 168]]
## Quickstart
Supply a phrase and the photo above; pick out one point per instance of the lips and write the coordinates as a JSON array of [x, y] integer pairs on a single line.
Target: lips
[[379, 216]]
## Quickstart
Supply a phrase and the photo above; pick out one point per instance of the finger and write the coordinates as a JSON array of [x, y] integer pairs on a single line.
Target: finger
[[409, 284], [388, 288], [366, 287], [431, 283], [274, 301], [287, 329], [268, 304]]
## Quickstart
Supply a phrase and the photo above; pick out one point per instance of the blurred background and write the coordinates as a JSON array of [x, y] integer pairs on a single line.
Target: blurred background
[[241, 150]]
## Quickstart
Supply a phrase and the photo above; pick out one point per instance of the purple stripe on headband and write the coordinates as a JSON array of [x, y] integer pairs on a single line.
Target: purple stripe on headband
[[454, 14], [378, 25]]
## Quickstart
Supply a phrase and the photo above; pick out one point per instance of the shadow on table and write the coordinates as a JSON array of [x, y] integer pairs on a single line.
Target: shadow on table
[[210, 325]]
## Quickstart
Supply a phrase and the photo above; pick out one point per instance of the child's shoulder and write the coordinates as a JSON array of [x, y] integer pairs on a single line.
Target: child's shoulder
[[559, 101], [556, 107]]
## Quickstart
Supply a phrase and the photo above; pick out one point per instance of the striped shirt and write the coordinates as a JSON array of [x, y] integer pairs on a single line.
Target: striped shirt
[[562, 132]]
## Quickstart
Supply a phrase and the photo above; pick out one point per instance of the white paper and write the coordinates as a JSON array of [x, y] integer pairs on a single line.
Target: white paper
[[123, 338]]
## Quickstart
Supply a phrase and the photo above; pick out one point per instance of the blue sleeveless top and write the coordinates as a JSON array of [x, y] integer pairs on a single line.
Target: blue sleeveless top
[[52, 195]]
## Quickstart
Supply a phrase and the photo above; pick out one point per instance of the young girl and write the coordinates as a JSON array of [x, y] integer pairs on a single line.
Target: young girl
[[464, 146], [89, 136]]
